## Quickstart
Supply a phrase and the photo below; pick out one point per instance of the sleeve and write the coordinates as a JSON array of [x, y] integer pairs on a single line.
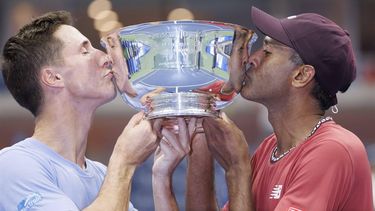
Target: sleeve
[[321, 180], [226, 207], [29, 184], [99, 166], [131, 207]]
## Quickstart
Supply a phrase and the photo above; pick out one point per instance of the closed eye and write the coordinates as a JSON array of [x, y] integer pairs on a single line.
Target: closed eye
[[267, 52], [85, 52]]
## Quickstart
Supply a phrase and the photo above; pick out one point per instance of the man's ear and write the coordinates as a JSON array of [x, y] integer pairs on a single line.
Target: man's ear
[[50, 77], [303, 75]]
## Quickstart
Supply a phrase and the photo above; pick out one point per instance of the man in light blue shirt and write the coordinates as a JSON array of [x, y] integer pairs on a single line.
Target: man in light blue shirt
[[37, 177], [52, 70]]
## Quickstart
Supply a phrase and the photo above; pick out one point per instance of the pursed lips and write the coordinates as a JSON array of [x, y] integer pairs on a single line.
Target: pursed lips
[[109, 74]]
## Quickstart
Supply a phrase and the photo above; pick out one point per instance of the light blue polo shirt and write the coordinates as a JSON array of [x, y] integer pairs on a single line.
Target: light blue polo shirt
[[34, 177]]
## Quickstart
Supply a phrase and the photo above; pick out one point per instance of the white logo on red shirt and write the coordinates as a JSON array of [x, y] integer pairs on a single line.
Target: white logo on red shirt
[[276, 192], [293, 209]]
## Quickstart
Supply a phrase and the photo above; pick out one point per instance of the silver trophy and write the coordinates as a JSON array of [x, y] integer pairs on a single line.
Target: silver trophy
[[185, 62]]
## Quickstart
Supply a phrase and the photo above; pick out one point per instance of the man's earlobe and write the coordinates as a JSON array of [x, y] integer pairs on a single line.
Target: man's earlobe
[[51, 78]]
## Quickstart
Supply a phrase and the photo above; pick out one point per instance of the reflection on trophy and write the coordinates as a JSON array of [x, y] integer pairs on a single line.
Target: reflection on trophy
[[178, 68]]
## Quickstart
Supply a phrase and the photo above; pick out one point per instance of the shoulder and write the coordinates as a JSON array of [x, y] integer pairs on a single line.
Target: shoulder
[[336, 142], [25, 175], [333, 136], [330, 167], [335, 132], [334, 149], [19, 161], [22, 169]]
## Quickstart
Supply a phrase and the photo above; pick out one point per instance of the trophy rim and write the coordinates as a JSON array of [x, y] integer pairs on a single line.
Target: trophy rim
[[155, 23]]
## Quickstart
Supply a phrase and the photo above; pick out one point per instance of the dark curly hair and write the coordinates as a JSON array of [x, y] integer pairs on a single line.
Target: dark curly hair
[[25, 53]]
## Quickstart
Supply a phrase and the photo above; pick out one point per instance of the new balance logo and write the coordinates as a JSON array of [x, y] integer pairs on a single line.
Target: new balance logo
[[293, 209], [276, 192]]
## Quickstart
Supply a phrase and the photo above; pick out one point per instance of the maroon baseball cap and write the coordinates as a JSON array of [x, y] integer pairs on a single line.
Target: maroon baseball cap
[[319, 42]]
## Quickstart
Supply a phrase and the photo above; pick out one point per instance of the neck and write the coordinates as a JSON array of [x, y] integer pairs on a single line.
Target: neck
[[292, 123], [64, 128]]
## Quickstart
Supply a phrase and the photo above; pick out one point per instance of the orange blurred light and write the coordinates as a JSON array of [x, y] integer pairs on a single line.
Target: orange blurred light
[[97, 6], [180, 14]]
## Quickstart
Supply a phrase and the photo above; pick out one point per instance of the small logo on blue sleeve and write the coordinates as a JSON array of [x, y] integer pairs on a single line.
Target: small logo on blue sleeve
[[29, 202]]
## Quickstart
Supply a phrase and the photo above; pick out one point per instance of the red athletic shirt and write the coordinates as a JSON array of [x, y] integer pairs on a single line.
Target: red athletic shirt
[[329, 171]]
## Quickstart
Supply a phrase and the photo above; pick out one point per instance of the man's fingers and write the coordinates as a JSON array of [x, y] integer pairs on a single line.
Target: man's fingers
[[144, 99], [157, 125], [192, 126], [214, 139], [136, 119], [214, 128], [112, 41], [157, 153], [183, 134], [171, 138], [213, 122], [158, 90], [128, 88], [241, 33], [208, 128], [226, 118], [165, 146]]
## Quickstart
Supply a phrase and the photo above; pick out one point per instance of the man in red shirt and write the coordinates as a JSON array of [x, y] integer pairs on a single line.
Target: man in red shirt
[[309, 162]]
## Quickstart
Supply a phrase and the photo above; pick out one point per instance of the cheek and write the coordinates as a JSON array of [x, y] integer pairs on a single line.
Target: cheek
[[80, 78], [271, 74], [78, 83]]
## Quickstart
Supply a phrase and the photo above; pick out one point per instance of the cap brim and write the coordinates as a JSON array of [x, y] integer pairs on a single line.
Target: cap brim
[[269, 26]]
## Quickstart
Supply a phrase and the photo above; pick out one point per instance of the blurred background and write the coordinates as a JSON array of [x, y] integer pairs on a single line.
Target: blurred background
[[95, 18]]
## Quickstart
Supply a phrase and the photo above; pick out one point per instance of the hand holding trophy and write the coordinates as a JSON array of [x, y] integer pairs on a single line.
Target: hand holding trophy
[[175, 69]]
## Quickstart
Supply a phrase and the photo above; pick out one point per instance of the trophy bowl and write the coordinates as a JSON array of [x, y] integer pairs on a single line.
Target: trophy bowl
[[185, 62]]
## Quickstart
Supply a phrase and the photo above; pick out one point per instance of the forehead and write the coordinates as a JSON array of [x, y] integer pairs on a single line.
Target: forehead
[[70, 36]]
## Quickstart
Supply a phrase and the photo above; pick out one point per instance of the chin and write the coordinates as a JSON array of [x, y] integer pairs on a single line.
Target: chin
[[109, 96], [246, 94], [112, 96]]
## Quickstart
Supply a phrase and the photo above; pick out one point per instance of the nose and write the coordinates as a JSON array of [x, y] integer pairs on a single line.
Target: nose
[[108, 65], [255, 58], [104, 59], [108, 62]]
